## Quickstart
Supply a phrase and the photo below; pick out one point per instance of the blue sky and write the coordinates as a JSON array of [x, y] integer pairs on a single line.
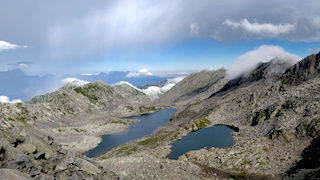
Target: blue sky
[[192, 54], [168, 36]]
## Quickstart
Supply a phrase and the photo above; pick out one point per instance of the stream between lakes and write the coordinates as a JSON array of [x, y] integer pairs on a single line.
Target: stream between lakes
[[215, 136]]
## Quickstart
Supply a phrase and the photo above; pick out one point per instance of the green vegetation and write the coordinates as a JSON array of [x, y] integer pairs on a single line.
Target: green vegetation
[[150, 140], [130, 108], [260, 116], [246, 163], [119, 122], [175, 136], [22, 119], [154, 139], [202, 123], [86, 92], [79, 130], [266, 150], [127, 150], [288, 105], [10, 119], [147, 109], [104, 157], [198, 124]]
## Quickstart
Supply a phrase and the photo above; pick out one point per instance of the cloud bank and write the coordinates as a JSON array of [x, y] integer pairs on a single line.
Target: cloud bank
[[155, 91], [6, 99], [138, 23], [74, 81], [247, 62], [106, 27], [141, 73], [4, 45], [263, 29]]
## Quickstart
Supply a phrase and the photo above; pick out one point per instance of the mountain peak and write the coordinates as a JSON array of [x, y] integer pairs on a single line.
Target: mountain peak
[[304, 70]]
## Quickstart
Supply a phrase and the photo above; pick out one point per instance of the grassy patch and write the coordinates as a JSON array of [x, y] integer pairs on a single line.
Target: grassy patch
[[119, 122], [10, 119], [246, 163], [79, 130], [22, 119], [266, 150], [148, 141], [104, 157], [147, 109], [202, 123], [86, 92], [175, 136]]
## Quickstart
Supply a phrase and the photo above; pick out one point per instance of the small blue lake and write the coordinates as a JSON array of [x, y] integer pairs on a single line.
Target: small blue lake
[[218, 136], [147, 125]]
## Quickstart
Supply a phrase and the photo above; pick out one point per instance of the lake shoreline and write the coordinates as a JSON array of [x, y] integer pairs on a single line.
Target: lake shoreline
[[138, 132]]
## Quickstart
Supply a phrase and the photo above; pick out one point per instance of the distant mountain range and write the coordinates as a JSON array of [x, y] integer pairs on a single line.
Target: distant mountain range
[[117, 76], [17, 85]]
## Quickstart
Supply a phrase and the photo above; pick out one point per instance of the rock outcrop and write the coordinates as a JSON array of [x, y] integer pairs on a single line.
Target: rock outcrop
[[25, 155], [194, 87], [121, 100], [304, 70]]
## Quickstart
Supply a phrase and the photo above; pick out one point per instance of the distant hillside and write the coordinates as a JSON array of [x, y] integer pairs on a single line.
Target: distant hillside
[[195, 87], [121, 100], [18, 85]]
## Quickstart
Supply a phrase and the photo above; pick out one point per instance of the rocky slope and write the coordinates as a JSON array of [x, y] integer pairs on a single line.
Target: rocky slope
[[121, 100], [277, 115], [36, 136], [275, 107], [24, 155], [194, 87], [77, 115]]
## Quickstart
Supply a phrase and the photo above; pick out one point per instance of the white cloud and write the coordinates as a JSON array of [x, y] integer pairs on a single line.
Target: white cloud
[[127, 83], [6, 99], [156, 91], [194, 28], [24, 65], [138, 23], [9, 46], [107, 25], [88, 74], [245, 63], [141, 72], [263, 29], [75, 81]]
